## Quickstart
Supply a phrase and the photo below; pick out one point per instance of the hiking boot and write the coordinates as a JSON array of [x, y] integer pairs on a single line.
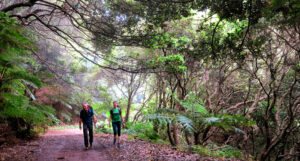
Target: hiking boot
[[86, 148], [119, 145], [91, 146]]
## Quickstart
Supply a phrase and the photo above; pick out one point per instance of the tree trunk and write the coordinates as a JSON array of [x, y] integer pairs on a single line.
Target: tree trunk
[[196, 138], [169, 134], [175, 134], [155, 126], [128, 107], [28, 129], [157, 93], [204, 136], [178, 107], [164, 102], [187, 138], [159, 97]]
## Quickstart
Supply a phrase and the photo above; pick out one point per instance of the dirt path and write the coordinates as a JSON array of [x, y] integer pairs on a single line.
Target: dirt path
[[68, 145]]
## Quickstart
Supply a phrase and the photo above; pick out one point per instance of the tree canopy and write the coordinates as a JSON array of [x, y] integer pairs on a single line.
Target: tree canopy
[[204, 73]]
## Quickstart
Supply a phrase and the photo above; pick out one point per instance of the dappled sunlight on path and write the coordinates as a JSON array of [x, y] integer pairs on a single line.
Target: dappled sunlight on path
[[64, 132]]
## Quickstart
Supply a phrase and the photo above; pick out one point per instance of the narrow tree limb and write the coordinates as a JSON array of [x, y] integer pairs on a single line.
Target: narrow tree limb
[[29, 3]]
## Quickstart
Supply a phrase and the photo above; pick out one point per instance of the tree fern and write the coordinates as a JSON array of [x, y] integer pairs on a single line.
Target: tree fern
[[197, 118], [192, 104], [161, 118], [14, 58], [22, 75], [186, 123], [14, 106]]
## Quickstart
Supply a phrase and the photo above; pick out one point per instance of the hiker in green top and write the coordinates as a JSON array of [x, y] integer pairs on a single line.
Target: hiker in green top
[[117, 119]]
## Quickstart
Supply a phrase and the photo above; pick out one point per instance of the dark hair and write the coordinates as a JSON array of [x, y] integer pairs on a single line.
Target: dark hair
[[90, 107]]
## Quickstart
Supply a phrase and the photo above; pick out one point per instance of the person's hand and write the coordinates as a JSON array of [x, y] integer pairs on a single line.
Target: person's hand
[[79, 127], [109, 125], [95, 124], [123, 125]]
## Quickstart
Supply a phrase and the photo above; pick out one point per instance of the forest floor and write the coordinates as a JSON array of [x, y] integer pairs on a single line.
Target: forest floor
[[67, 144]]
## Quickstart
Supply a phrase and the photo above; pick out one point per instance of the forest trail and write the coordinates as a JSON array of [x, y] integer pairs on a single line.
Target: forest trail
[[67, 145], [64, 145]]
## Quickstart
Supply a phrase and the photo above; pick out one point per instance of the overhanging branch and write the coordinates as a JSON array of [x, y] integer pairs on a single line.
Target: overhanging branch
[[29, 3]]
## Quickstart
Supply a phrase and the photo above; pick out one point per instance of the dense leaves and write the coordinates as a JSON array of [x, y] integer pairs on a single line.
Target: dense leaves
[[16, 82]]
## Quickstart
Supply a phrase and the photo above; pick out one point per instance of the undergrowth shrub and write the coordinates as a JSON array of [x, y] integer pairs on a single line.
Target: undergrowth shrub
[[213, 150], [103, 128], [142, 131]]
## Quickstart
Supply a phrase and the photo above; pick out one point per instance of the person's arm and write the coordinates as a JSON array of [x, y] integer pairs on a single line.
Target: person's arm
[[80, 120], [93, 116], [122, 119], [94, 120]]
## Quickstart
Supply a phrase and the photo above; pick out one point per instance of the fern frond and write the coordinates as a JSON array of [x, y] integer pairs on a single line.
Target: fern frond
[[168, 111], [25, 76], [239, 131], [15, 86], [193, 106], [186, 123], [211, 120], [163, 119]]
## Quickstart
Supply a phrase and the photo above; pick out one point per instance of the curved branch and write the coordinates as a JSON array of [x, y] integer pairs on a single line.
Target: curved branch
[[213, 37], [29, 3]]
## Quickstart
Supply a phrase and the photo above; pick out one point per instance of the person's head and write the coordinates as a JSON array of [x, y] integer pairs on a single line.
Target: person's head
[[85, 106], [115, 104]]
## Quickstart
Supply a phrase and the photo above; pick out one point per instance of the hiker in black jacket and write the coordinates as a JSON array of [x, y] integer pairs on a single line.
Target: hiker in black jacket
[[87, 117]]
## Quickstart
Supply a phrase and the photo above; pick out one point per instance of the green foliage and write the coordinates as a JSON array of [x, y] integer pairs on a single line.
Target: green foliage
[[167, 40], [104, 130], [55, 121], [196, 118], [78, 68], [67, 117], [289, 8], [15, 78], [12, 40], [22, 75], [171, 63], [193, 104], [104, 93], [142, 131], [64, 127], [229, 122], [226, 151], [18, 106]]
